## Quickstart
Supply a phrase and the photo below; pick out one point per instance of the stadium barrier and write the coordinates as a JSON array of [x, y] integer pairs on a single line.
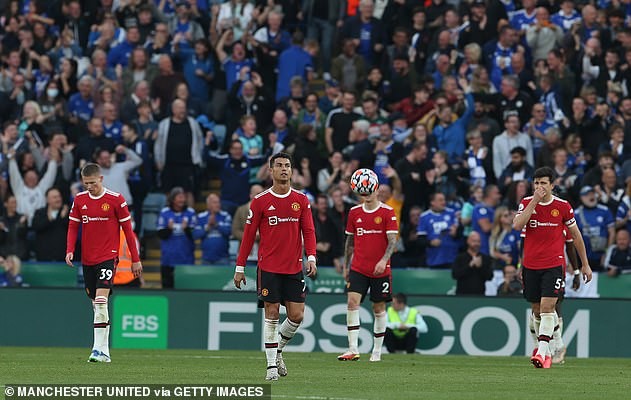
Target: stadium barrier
[[420, 281], [229, 320]]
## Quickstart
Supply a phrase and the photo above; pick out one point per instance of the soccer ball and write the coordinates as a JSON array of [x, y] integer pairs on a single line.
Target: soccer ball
[[364, 182]]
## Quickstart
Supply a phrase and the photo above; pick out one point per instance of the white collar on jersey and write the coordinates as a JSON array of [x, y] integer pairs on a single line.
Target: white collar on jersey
[[99, 196], [280, 195], [370, 211], [546, 203]]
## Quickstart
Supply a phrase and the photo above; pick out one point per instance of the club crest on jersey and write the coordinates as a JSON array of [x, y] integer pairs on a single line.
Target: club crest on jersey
[[555, 212], [295, 206], [264, 292], [105, 207], [378, 220]]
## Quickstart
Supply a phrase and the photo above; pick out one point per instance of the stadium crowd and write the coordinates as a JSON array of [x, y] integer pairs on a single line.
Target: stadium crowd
[[452, 103]]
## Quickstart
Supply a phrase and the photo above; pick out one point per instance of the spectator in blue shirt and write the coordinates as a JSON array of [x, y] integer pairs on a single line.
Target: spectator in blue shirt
[[451, 135], [232, 64], [295, 61], [175, 230], [597, 225], [523, 18], [438, 233], [482, 217], [183, 29], [112, 126], [567, 16], [10, 274], [81, 104], [367, 33], [618, 256], [504, 240], [197, 68], [623, 215], [234, 171], [213, 228], [120, 54]]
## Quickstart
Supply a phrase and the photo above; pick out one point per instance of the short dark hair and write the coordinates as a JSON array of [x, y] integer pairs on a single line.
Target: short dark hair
[[544, 172], [433, 195], [91, 169], [401, 298], [280, 155], [518, 150]]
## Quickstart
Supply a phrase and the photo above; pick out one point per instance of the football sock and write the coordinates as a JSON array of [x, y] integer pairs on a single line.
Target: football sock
[[533, 324], [557, 336], [352, 324], [545, 333], [101, 322], [286, 331], [379, 331], [270, 333]]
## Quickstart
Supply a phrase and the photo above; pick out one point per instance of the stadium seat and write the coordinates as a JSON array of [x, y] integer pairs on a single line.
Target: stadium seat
[[49, 275], [151, 207]]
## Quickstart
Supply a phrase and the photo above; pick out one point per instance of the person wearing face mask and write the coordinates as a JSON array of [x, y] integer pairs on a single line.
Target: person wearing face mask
[[53, 108], [597, 224]]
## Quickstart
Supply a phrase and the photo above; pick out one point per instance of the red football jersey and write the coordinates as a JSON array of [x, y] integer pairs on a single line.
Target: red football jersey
[[544, 242], [370, 229], [284, 222], [100, 218]]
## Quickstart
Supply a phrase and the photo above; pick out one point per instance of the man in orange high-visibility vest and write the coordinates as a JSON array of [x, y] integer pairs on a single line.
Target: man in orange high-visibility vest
[[124, 275]]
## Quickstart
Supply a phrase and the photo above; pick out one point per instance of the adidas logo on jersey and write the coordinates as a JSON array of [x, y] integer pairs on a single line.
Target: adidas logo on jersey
[[358, 220], [271, 208], [84, 207]]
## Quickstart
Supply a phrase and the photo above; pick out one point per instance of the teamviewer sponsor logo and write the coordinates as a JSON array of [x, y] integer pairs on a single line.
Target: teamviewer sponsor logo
[[87, 219], [274, 220], [362, 231]]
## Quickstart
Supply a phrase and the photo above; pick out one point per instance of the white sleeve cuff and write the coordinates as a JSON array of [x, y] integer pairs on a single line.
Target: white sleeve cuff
[[311, 258], [240, 268]]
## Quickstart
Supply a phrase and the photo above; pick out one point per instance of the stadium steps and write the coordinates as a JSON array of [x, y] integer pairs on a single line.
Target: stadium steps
[[151, 261]]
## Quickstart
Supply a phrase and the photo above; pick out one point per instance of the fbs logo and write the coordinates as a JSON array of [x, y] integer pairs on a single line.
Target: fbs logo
[[140, 322]]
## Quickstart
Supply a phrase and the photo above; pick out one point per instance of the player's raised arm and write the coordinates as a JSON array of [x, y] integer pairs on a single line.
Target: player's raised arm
[[525, 211], [249, 236]]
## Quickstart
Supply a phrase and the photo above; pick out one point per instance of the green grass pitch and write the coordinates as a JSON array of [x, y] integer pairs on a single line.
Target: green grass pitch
[[316, 376]]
